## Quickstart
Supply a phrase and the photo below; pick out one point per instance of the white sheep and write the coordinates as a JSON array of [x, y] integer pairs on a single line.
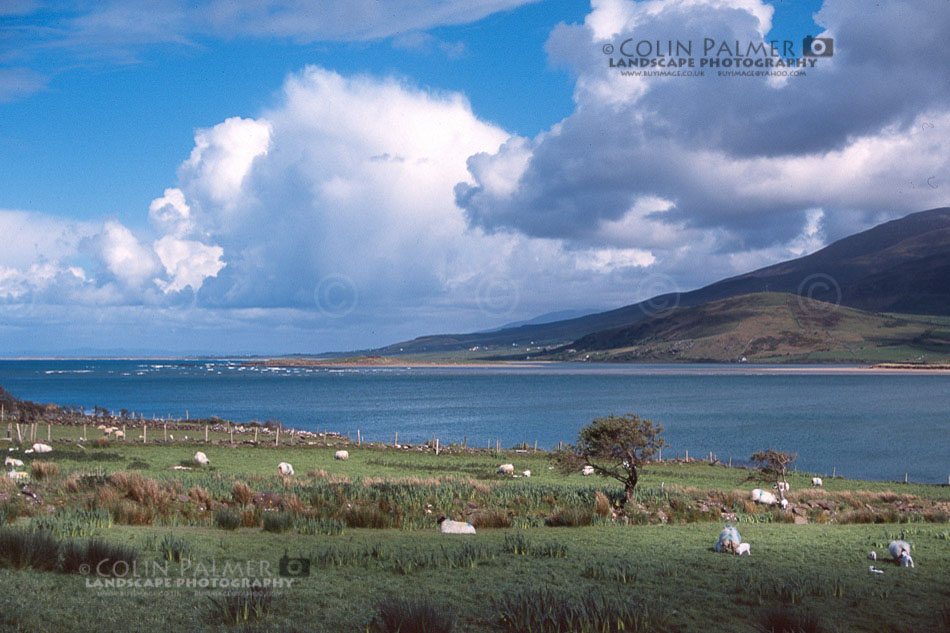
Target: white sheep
[[17, 475], [284, 468], [764, 497], [42, 448], [120, 435], [101, 427], [12, 462], [872, 555], [202, 459], [587, 470], [341, 455], [506, 469], [526, 473], [729, 540], [448, 526], [743, 549], [816, 482], [782, 486], [900, 552]]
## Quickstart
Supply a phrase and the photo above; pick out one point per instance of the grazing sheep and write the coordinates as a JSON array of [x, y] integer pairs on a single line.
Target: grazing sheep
[[782, 486], [448, 526], [15, 463], [120, 435], [526, 473], [900, 552], [284, 468], [587, 470], [744, 548], [201, 458], [42, 448], [872, 555], [506, 469], [729, 540], [341, 455], [17, 475], [816, 482]]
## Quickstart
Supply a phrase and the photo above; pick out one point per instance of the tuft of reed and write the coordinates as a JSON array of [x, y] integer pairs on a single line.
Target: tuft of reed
[[44, 470], [278, 522], [98, 557], [786, 620], [544, 609], [21, 548], [227, 518], [411, 615], [238, 607]]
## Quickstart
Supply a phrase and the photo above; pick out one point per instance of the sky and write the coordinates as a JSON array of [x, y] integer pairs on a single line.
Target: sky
[[281, 176]]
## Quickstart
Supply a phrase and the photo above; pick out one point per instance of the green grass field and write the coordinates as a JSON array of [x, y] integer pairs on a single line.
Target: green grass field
[[658, 561]]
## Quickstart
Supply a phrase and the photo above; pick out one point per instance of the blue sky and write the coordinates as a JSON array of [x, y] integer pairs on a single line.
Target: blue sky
[[102, 106]]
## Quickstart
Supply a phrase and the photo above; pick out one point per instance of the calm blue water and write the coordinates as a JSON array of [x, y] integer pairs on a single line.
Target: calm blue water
[[865, 425]]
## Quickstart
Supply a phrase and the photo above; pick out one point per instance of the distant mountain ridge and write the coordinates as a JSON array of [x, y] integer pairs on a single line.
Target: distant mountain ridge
[[899, 266]]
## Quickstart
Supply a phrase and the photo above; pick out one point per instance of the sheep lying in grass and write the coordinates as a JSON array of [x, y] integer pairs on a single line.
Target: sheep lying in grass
[[284, 468], [768, 499], [341, 455], [526, 473], [42, 448], [202, 459], [900, 552], [17, 475], [13, 463], [448, 526], [506, 469], [587, 470], [816, 482]]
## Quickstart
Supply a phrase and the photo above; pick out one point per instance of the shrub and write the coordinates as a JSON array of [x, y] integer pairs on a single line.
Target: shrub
[[369, 516], [411, 615], [21, 548], [125, 512], [278, 522], [313, 526], [96, 556], [44, 470], [602, 504], [227, 519], [237, 607]]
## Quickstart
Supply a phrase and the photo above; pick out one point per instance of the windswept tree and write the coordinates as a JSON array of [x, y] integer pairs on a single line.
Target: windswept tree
[[773, 465], [614, 447]]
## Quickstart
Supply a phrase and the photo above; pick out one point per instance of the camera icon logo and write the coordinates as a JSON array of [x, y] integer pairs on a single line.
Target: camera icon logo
[[293, 567], [818, 46]]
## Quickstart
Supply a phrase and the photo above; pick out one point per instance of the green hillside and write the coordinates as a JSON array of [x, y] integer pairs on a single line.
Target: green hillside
[[768, 327]]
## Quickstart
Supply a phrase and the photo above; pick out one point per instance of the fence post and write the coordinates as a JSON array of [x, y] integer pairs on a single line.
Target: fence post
[[206, 433], [144, 434], [277, 438], [436, 446], [359, 438]]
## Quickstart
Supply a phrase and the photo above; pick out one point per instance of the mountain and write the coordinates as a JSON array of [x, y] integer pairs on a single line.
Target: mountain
[[547, 317], [899, 266], [767, 327]]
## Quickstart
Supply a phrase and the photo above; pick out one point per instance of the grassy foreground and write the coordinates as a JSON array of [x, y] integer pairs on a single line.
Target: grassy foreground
[[366, 528]]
